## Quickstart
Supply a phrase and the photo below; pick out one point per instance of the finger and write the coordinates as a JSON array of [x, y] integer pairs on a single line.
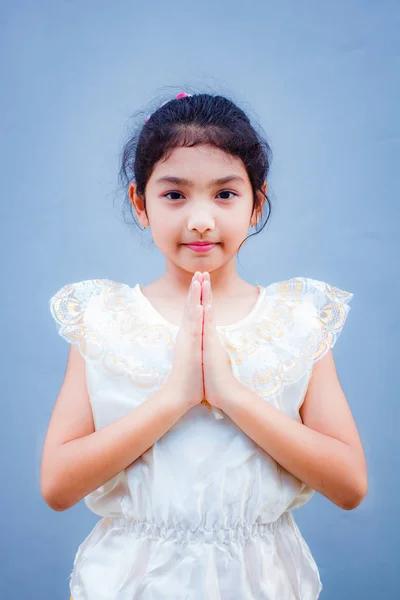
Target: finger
[[208, 279], [201, 287], [190, 292], [196, 310], [205, 297], [196, 287], [206, 302], [209, 310], [198, 277], [199, 319], [191, 304]]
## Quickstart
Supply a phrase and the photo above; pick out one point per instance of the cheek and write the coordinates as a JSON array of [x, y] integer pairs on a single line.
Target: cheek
[[235, 227], [164, 231]]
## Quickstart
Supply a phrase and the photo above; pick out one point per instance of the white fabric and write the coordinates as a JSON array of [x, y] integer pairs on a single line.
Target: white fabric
[[205, 513]]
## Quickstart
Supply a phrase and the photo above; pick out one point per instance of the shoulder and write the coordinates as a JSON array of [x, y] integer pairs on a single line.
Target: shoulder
[[299, 321], [309, 313], [87, 313], [309, 289], [77, 295], [75, 303], [305, 295], [82, 289]]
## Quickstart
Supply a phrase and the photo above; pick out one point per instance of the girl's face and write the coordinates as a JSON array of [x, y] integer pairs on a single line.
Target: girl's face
[[186, 204]]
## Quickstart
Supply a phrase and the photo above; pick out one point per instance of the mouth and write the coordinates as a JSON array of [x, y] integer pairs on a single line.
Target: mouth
[[202, 247]]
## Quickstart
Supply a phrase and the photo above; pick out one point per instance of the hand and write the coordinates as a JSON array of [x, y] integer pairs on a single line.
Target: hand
[[186, 377], [217, 370]]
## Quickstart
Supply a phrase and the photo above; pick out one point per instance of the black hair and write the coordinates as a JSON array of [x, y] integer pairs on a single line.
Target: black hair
[[189, 121]]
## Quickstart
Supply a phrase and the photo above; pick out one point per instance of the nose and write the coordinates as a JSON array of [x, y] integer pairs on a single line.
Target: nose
[[201, 221]]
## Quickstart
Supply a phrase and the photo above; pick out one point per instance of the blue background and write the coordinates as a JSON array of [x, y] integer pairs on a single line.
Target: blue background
[[323, 81]]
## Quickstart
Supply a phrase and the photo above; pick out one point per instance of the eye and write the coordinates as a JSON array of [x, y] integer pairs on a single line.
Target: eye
[[227, 192], [179, 194]]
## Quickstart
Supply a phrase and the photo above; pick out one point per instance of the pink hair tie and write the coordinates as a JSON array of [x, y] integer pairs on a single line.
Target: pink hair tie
[[177, 97]]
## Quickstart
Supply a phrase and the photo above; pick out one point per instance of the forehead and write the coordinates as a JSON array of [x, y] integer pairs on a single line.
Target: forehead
[[203, 161]]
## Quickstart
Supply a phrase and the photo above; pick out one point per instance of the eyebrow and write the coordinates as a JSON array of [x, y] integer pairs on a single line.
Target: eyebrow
[[183, 181]]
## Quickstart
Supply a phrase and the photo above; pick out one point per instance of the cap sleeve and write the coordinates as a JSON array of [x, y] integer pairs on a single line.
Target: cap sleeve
[[319, 312], [70, 310], [300, 321]]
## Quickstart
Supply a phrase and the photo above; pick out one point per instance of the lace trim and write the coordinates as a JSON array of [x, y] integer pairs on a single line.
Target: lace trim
[[302, 320], [98, 315]]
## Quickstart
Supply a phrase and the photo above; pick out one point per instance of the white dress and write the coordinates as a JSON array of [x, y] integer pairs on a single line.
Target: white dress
[[205, 513]]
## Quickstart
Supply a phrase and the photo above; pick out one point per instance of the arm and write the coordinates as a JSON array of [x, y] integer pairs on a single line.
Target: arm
[[324, 451], [77, 459]]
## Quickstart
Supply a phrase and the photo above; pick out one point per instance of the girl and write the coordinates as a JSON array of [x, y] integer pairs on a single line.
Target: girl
[[199, 411]]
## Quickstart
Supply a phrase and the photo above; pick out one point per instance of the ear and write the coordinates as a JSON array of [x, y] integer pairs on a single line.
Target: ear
[[265, 187], [261, 200], [137, 201]]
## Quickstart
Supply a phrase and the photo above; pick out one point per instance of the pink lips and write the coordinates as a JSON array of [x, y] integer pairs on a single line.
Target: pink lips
[[200, 247]]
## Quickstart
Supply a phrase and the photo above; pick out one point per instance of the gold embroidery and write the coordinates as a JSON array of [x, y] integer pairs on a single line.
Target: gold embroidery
[[98, 314], [293, 303], [299, 321]]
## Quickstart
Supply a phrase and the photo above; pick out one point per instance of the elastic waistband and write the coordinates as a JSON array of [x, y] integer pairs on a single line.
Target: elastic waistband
[[182, 533]]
